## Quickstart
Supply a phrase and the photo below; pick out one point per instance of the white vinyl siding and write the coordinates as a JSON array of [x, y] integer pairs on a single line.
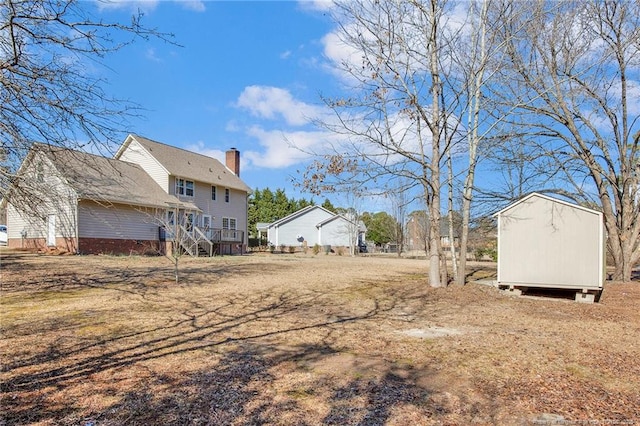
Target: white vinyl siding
[[336, 232], [116, 222], [236, 208], [57, 198], [304, 226], [136, 153], [36, 227]]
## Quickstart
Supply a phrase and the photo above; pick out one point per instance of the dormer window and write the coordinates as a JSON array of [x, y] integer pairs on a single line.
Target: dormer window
[[184, 187]]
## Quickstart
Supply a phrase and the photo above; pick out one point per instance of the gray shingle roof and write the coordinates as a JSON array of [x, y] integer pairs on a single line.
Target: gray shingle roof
[[103, 179], [191, 165]]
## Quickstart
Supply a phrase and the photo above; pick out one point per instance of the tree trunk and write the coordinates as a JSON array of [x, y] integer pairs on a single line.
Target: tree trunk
[[435, 122], [452, 246]]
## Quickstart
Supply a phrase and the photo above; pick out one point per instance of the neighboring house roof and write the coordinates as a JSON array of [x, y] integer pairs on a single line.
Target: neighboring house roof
[[103, 179], [187, 164], [332, 218], [262, 226], [299, 213]]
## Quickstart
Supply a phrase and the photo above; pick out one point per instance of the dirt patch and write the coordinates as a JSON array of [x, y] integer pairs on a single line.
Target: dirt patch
[[431, 332], [303, 339]]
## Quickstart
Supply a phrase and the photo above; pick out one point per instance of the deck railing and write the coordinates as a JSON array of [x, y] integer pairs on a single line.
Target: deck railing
[[203, 237]]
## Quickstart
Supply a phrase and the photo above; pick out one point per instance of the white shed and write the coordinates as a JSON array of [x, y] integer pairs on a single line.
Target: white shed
[[544, 242]]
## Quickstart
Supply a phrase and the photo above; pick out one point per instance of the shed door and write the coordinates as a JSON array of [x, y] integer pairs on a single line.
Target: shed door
[[51, 230]]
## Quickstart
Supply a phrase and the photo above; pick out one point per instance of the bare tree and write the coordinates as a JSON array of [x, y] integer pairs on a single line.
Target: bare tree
[[49, 94], [472, 68], [392, 121], [476, 58], [572, 68], [180, 235]]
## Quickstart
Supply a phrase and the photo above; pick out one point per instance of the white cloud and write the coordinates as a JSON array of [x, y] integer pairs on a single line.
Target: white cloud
[[285, 54], [343, 46], [151, 55], [195, 5], [317, 5], [338, 53], [285, 146], [142, 5], [282, 149], [148, 5], [273, 102]]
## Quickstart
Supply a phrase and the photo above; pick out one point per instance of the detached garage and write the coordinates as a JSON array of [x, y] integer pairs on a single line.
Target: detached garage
[[544, 242]]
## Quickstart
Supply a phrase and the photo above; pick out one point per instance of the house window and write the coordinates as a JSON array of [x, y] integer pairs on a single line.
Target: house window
[[229, 223], [213, 193], [184, 187], [171, 217], [227, 195]]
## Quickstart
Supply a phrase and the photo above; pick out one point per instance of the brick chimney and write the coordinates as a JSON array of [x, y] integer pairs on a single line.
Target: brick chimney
[[233, 161]]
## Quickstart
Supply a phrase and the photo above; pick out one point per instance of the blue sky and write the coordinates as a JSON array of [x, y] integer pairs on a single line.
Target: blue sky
[[247, 75]]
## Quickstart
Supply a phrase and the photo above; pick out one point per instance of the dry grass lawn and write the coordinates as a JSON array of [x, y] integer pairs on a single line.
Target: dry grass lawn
[[303, 340]]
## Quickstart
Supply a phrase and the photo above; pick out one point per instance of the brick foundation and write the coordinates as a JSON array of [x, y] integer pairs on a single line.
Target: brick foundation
[[114, 246], [63, 245], [110, 246]]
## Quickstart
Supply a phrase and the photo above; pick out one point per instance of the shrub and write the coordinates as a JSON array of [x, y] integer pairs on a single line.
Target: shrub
[[489, 251], [292, 249], [339, 251], [282, 247], [316, 248]]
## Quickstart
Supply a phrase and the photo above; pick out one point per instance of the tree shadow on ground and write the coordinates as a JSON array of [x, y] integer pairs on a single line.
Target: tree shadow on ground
[[242, 335], [240, 390], [204, 397], [49, 275]]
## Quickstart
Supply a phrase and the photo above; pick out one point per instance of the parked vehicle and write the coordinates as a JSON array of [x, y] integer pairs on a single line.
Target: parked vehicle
[[3, 235]]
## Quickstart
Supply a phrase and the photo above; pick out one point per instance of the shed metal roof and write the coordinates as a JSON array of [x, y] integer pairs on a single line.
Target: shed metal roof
[[546, 197]]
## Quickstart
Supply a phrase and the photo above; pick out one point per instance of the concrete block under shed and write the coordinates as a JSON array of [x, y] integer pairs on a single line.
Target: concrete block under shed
[[585, 297]]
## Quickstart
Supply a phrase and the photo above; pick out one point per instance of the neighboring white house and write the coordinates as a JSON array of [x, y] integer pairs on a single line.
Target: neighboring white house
[[544, 242], [314, 225], [84, 203]]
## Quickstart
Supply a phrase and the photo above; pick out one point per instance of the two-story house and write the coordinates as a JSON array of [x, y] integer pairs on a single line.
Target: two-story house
[[84, 203]]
